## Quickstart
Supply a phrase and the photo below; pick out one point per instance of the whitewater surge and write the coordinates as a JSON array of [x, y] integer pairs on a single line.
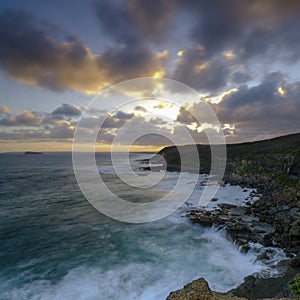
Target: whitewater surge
[[206, 253], [59, 247]]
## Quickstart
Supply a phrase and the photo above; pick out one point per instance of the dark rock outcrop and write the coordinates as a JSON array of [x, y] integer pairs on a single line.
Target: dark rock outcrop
[[199, 290]]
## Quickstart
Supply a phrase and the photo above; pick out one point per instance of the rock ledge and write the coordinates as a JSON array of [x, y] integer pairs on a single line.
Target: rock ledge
[[199, 290]]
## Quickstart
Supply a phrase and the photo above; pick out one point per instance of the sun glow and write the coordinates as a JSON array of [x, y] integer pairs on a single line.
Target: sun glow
[[200, 67], [158, 74], [281, 91], [180, 53], [228, 54], [224, 95], [166, 110]]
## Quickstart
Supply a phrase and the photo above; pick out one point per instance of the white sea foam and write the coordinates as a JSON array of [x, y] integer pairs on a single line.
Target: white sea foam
[[166, 255], [218, 260]]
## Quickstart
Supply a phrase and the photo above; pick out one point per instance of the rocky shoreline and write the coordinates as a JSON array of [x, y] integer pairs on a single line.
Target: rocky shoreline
[[272, 168], [272, 221]]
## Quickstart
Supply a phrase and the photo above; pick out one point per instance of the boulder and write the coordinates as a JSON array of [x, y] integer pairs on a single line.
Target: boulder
[[295, 231], [295, 261], [199, 290]]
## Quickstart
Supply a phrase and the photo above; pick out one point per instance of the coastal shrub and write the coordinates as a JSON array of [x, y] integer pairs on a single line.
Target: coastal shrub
[[295, 286]]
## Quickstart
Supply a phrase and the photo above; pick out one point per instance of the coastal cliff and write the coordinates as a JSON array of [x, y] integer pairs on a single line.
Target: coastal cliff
[[263, 157], [272, 167]]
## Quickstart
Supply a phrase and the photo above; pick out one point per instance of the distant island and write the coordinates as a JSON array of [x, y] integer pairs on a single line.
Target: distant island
[[33, 152]]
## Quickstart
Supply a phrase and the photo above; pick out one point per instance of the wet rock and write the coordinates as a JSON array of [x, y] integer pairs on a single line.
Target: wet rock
[[295, 213], [295, 261], [272, 211], [244, 248], [262, 288], [199, 290], [237, 211], [281, 202], [263, 255], [294, 250], [226, 205], [295, 231], [285, 208], [267, 241]]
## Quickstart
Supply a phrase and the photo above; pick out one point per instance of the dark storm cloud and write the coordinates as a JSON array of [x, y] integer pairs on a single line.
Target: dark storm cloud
[[30, 53], [271, 106], [217, 25], [112, 122], [19, 31], [240, 77], [36, 55], [67, 110], [267, 109], [266, 92], [185, 117], [195, 70], [260, 30], [124, 62], [153, 18], [247, 25], [135, 22], [123, 116], [281, 41], [116, 21]]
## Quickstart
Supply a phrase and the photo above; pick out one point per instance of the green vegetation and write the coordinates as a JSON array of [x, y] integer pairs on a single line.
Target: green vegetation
[[276, 159], [295, 286]]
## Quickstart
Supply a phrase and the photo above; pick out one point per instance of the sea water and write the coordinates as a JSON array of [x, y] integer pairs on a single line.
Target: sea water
[[55, 245]]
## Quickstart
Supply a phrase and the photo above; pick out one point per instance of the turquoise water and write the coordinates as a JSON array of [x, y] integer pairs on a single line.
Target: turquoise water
[[55, 245]]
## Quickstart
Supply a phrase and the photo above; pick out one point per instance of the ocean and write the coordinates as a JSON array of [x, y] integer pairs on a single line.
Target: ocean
[[55, 245]]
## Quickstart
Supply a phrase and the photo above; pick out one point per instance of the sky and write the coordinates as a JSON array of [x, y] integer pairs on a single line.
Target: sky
[[59, 58]]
